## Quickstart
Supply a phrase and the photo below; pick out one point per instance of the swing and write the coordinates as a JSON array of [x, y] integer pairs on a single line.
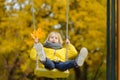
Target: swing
[[41, 71]]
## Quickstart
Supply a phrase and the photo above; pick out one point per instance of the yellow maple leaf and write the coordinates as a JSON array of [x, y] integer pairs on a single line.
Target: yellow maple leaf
[[39, 33]]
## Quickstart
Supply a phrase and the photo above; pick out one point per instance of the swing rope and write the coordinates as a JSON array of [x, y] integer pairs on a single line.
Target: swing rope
[[67, 20], [33, 16], [34, 25]]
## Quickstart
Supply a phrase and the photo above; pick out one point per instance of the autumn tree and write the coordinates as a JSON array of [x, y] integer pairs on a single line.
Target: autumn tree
[[87, 27]]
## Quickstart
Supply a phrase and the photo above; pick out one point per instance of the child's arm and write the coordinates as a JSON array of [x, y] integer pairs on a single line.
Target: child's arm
[[72, 52], [67, 41], [36, 40]]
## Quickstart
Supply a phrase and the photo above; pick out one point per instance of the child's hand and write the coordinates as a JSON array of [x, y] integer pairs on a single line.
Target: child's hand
[[36, 40], [67, 41]]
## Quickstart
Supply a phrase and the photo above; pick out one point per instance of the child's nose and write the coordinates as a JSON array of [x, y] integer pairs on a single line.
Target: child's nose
[[53, 38]]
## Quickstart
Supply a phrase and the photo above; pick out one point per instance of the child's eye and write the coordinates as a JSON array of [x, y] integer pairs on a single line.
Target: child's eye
[[56, 38], [51, 37]]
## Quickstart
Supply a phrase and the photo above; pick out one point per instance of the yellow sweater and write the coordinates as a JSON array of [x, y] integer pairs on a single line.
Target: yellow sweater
[[57, 55]]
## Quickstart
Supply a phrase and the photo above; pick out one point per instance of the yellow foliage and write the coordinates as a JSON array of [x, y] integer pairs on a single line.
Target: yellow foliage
[[89, 62], [87, 26], [24, 66], [94, 34]]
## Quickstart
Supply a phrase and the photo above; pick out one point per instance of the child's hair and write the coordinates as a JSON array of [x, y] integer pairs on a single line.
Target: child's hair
[[56, 33]]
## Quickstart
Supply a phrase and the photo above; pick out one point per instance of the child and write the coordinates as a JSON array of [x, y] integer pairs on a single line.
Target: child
[[52, 55]]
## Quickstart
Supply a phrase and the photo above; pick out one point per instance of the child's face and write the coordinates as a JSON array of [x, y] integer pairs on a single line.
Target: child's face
[[53, 38]]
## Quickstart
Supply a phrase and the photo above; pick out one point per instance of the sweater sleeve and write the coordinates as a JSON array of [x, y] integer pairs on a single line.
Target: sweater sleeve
[[72, 52]]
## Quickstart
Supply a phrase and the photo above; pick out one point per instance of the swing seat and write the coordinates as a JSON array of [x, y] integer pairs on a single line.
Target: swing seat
[[42, 72]]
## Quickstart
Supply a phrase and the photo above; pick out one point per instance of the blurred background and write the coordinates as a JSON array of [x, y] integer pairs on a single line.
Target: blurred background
[[87, 28]]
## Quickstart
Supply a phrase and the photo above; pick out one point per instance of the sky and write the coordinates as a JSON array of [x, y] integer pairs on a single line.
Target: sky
[[16, 4]]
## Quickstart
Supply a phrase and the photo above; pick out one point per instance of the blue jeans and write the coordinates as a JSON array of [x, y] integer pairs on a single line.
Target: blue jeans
[[62, 66]]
